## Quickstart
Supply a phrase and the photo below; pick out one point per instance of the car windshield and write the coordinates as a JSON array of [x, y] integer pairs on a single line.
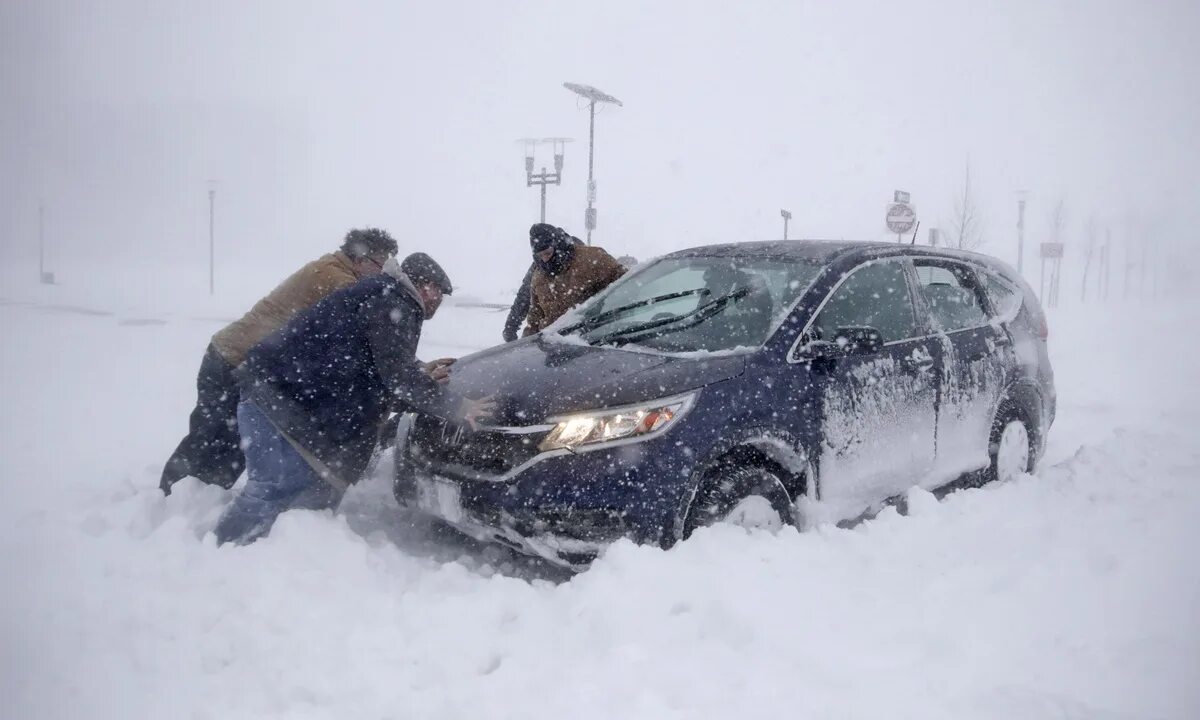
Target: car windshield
[[696, 304]]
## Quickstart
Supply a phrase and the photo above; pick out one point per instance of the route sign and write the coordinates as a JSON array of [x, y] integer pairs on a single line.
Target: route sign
[[901, 217]]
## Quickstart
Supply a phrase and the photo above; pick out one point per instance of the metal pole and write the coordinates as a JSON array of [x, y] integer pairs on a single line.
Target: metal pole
[[591, 158], [1056, 276], [41, 242], [1142, 270], [1153, 266], [543, 194], [1107, 260], [1128, 270], [1020, 235], [1042, 282], [212, 199], [785, 222]]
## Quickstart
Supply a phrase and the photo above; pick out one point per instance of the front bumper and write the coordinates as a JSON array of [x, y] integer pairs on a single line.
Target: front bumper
[[562, 507], [442, 498]]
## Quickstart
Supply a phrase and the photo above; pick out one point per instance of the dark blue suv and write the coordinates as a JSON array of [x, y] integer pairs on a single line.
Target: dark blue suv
[[756, 383]]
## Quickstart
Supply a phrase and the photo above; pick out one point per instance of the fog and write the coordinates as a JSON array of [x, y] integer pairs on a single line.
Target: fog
[[315, 118], [1070, 591]]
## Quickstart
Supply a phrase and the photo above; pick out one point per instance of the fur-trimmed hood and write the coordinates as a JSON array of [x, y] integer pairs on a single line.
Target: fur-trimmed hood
[[392, 269]]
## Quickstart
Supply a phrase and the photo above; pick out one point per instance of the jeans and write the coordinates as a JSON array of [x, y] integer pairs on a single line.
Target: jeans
[[211, 451], [278, 479]]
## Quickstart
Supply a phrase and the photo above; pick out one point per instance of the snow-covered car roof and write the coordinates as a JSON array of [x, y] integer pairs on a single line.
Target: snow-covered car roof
[[818, 250], [825, 251]]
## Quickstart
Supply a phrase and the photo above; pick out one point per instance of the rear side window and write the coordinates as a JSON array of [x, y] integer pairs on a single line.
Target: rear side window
[[1006, 300], [874, 295], [951, 292]]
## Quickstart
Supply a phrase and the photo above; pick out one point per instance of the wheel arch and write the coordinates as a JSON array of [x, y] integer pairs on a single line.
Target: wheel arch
[[1024, 398], [775, 450]]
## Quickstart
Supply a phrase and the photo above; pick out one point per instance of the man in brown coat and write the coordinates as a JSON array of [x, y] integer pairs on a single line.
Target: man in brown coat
[[567, 273], [211, 451]]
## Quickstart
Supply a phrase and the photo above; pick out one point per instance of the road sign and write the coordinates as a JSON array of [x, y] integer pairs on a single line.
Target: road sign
[[901, 217], [901, 197], [1051, 251]]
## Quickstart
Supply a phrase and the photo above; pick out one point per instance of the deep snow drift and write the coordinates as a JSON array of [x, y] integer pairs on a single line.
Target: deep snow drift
[[1072, 593]]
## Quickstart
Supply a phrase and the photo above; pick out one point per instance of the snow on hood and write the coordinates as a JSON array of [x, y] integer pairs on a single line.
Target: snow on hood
[[533, 379]]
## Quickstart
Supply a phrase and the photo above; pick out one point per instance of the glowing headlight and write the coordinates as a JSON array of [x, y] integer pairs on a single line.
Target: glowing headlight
[[636, 421]]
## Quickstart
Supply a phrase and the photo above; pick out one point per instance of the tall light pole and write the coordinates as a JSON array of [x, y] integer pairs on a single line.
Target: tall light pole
[[212, 204], [41, 242], [593, 96], [544, 178], [1020, 231], [45, 278], [786, 216]]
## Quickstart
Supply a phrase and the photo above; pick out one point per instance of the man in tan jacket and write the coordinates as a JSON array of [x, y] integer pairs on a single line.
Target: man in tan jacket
[[211, 451], [566, 274]]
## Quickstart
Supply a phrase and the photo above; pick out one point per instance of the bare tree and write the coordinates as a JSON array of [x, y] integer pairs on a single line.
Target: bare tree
[[1089, 249], [966, 227], [1057, 221]]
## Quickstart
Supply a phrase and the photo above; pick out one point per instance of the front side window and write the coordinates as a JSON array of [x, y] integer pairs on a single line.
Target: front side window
[[689, 304], [875, 295], [951, 292]]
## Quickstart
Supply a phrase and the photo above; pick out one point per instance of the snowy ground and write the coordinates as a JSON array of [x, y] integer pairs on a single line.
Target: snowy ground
[[1073, 593]]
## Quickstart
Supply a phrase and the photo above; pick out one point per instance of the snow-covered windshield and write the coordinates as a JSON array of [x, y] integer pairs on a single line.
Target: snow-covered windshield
[[696, 303]]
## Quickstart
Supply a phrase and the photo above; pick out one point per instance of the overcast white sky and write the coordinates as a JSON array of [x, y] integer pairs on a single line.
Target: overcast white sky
[[318, 117]]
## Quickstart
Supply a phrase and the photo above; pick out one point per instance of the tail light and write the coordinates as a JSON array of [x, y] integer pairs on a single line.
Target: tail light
[[1043, 329]]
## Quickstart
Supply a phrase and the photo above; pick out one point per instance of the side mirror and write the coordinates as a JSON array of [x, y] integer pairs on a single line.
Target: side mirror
[[858, 340], [819, 350], [846, 341]]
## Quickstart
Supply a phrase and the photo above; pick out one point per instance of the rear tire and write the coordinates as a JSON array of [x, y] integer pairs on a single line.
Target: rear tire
[[750, 496], [1011, 447]]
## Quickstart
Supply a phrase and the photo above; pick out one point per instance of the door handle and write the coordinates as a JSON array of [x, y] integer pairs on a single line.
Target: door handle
[[995, 343], [918, 363]]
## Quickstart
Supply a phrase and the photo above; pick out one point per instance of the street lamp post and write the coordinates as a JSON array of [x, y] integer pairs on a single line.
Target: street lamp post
[[41, 243], [786, 216], [44, 277], [1020, 231], [544, 178], [212, 252], [212, 201], [593, 96]]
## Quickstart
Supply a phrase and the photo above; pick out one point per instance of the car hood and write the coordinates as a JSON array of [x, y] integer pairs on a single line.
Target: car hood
[[533, 379]]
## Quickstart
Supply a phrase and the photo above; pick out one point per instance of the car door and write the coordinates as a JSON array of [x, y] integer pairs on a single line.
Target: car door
[[978, 353], [877, 410]]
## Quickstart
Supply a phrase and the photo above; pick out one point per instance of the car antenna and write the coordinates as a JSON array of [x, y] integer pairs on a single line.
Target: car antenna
[[915, 231]]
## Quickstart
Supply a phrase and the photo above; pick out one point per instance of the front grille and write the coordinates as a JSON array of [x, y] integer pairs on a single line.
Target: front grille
[[594, 524], [488, 453]]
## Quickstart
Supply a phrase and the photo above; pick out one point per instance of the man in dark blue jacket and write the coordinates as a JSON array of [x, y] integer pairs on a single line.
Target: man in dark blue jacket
[[316, 392]]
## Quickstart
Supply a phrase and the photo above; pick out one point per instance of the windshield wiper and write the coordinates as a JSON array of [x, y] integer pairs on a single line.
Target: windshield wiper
[[652, 328], [594, 322]]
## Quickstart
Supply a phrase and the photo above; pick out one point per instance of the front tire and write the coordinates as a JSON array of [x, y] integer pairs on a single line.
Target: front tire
[[749, 496]]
